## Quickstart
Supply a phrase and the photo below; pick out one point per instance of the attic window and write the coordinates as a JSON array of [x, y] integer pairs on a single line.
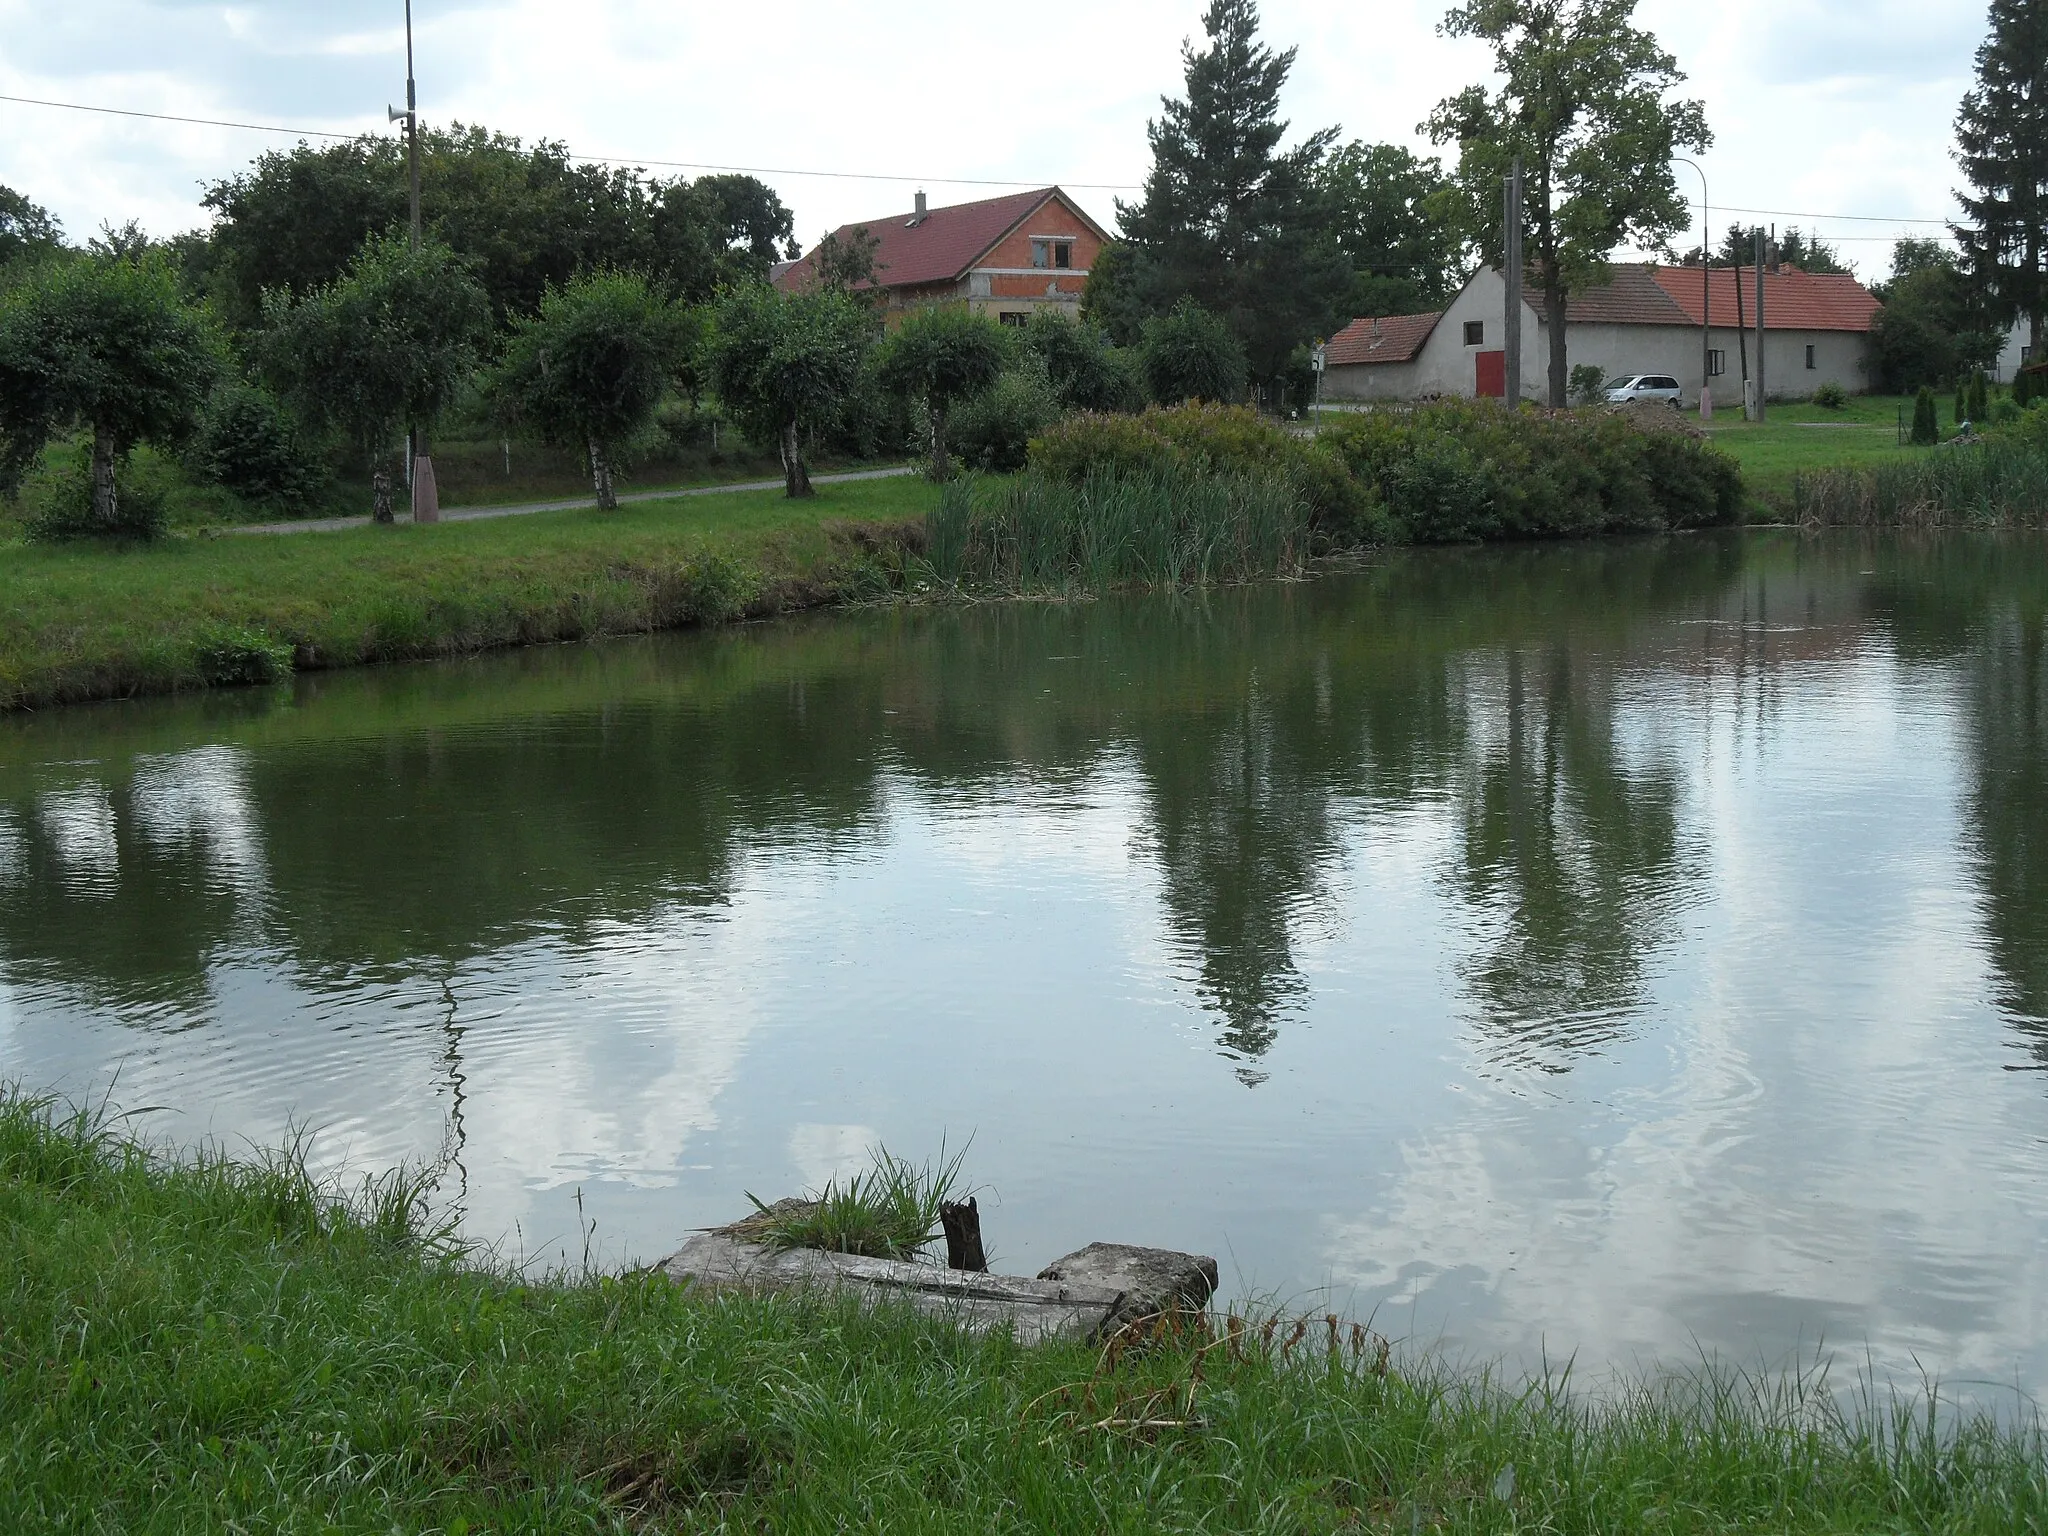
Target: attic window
[[1052, 253], [1475, 333], [1063, 255]]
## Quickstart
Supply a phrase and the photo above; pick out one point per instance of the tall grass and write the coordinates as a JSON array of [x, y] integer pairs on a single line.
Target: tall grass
[[196, 1344], [889, 1210], [1985, 485], [1172, 528]]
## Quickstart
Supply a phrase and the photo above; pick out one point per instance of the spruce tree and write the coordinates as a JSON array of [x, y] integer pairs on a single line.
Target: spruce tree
[[2002, 148], [1229, 218], [1926, 430]]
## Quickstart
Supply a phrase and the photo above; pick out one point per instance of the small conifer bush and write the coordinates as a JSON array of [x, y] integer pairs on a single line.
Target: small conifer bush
[[1926, 429]]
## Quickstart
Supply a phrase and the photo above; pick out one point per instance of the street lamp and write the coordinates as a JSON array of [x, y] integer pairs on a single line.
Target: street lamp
[[419, 468], [1706, 297]]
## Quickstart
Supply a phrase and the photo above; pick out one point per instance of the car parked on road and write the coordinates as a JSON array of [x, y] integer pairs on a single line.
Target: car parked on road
[[1642, 386]]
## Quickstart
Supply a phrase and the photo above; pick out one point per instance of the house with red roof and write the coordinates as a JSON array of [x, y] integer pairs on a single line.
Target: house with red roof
[[1009, 257], [1647, 320]]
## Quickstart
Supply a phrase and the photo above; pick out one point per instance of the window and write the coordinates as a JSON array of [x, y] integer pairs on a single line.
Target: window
[[1717, 363], [1040, 255], [1063, 255], [1810, 358], [1475, 333], [1015, 317]]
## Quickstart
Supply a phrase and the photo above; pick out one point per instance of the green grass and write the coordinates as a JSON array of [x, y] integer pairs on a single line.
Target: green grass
[[1797, 438], [85, 622], [889, 1210], [207, 1345]]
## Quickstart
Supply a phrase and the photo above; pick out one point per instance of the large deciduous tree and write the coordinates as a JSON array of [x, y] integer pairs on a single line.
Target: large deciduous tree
[[2002, 149], [27, 231], [1933, 325], [1228, 217], [938, 357], [1191, 355], [591, 367], [1405, 257], [382, 348], [1585, 100], [106, 344], [785, 363]]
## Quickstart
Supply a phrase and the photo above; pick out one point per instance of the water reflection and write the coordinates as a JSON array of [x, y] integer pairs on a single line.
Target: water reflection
[[1305, 900]]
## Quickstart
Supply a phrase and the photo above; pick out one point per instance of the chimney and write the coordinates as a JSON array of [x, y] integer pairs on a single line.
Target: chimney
[[918, 217]]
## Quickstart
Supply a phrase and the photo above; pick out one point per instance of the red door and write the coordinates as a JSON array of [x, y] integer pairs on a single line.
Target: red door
[[1491, 375]]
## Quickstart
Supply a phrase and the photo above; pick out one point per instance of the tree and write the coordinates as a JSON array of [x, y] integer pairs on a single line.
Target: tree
[[105, 344], [1794, 249], [1926, 431], [27, 232], [1191, 355], [939, 356], [1583, 103], [1932, 327], [847, 266], [1404, 255], [1086, 371], [783, 364], [591, 367], [382, 348], [1228, 218], [2002, 150]]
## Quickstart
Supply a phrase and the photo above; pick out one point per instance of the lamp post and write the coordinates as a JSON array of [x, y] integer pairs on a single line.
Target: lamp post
[[1706, 296], [419, 468]]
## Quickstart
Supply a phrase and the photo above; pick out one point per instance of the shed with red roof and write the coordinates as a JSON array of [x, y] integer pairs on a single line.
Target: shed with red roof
[[1009, 257]]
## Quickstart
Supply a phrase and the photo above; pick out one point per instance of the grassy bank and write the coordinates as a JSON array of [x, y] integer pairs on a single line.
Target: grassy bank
[[89, 621], [1801, 438], [204, 1345]]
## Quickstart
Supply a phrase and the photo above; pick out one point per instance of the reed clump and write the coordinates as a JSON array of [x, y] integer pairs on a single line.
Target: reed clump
[[889, 1210], [1160, 528], [1995, 483]]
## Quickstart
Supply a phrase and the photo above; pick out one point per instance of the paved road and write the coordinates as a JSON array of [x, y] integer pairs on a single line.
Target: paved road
[[476, 514]]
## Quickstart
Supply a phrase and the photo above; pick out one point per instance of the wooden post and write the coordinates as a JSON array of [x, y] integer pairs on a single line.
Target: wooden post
[[962, 1221]]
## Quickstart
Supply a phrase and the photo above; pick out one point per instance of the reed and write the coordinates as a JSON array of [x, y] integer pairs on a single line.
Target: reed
[[1169, 528], [1984, 485], [889, 1210]]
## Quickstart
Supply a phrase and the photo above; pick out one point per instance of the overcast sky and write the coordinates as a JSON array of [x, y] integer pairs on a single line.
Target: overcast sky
[[1833, 107]]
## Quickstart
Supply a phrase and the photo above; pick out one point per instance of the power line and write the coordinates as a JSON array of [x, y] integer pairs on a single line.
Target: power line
[[1859, 218], [680, 165]]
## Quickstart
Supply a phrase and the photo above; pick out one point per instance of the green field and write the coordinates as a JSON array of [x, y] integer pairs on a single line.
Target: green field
[[203, 1345], [88, 621], [1799, 437]]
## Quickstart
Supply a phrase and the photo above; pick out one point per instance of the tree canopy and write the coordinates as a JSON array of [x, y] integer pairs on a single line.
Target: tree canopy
[[783, 363], [1191, 355], [938, 357], [591, 367], [1405, 258], [1584, 101], [383, 347], [2002, 150], [1228, 217], [27, 231], [104, 343]]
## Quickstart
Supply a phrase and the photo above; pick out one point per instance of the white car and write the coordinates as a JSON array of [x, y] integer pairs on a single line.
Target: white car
[[1643, 386]]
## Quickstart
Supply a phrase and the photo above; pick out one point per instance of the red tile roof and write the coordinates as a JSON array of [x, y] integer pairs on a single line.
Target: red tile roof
[[1793, 300], [1634, 297], [940, 247], [1385, 339]]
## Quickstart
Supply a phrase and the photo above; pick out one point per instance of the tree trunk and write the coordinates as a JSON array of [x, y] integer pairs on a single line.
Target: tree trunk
[[601, 477], [380, 492], [105, 497], [796, 479], [1553, 315], [942, 465]]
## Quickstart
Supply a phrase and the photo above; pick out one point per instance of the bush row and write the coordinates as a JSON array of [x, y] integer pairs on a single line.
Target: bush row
[[1451, 472]]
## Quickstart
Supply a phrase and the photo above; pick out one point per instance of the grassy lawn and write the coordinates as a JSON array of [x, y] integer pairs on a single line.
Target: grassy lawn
[[200, 1345], [1799, 437], [91, 622]]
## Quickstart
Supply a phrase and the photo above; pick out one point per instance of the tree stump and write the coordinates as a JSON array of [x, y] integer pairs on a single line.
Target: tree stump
[[962, 1221]]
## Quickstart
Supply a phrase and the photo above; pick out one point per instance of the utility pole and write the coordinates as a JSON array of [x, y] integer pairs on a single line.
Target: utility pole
[[1760, 322], [1706, 299], [419, 467], [1511, 262]]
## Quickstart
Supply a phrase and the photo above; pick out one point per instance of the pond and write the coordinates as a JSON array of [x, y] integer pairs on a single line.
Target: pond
[[1618, 951]]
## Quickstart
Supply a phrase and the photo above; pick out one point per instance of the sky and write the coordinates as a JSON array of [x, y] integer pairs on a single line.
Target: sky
[[1819, 107]]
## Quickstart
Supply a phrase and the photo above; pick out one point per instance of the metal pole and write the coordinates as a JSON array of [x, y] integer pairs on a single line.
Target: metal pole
[[1511, 254], [412, 127], [419, 467], [1759, 322]]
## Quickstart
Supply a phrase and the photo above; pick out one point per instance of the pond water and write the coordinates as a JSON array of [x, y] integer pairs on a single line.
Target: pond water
[[1623, 951]]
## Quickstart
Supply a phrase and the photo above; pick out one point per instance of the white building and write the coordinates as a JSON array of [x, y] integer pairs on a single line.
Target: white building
[[1647, 320]]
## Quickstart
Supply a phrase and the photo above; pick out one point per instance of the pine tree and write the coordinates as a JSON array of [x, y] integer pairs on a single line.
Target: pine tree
[[2002, 148], [1926, 430], [1228, 218]]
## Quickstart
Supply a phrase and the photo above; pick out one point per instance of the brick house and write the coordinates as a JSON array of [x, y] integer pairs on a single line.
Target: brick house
[[1647, 320], [1009, 257]]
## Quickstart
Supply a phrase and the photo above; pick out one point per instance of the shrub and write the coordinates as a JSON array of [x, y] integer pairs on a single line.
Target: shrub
[[993, 430], [248, 444], [1086, 371], [1926, 431], [230, 656], [60, 510], [2023, 387], [1831, 396], [1190, 354], [1586, 381]]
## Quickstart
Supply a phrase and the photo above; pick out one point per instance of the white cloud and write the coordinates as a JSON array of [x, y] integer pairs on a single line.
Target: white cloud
[[1825, 106]]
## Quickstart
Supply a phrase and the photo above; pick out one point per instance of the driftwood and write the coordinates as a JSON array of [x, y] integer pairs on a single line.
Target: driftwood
[[962, 1221]]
